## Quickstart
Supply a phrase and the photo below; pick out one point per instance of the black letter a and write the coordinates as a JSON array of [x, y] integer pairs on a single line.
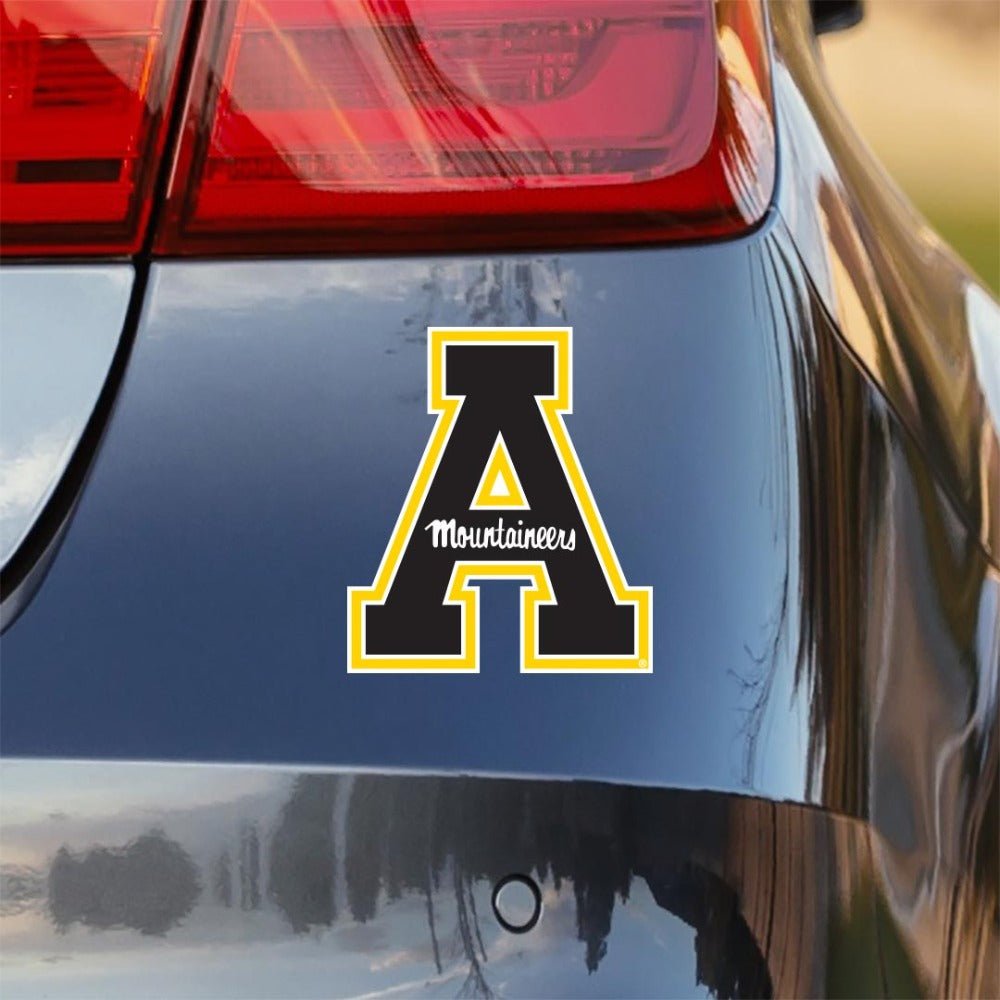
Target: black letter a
[[499, 493]]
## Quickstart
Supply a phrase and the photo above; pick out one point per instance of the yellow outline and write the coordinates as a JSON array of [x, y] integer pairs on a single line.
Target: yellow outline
[[499, 466], [460, 591]]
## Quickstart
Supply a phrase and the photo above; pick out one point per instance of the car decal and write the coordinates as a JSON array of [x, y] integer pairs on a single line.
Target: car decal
[[499, 494]]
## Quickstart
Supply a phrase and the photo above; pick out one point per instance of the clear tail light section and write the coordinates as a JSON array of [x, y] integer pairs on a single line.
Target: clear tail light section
[[84, 95], [354, 125]]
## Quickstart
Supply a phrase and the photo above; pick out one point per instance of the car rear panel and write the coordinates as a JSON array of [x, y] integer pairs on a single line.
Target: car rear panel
[[814, 589], [269, 423], [786, 437]]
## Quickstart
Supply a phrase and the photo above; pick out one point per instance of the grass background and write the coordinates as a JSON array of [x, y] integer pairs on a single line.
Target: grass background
[[920, 79]]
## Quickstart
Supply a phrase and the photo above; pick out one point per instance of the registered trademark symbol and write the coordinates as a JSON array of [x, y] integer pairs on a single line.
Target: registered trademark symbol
[[643, 664]]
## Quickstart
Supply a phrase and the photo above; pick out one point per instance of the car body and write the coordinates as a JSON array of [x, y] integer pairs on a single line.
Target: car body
[[792, 435]]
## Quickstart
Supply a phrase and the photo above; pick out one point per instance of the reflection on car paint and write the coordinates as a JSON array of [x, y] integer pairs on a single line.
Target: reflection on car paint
[[895, 291], [60, 331], [375, 883]]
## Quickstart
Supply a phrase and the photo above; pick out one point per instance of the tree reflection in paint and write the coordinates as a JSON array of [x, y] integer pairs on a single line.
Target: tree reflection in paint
[[435, 838], [404, 834], [302, 854], [148, 885]]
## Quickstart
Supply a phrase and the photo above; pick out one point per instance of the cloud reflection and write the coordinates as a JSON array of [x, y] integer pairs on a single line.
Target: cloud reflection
[[27, 473]]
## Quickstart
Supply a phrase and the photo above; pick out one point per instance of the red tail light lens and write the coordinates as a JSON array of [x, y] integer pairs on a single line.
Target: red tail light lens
[[370, 124], [84, 89]]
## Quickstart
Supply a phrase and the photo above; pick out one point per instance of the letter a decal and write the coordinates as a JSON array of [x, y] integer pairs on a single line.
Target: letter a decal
[[499, 494]]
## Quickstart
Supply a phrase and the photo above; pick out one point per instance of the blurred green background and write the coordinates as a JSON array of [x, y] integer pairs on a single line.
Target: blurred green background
[[920, 79]]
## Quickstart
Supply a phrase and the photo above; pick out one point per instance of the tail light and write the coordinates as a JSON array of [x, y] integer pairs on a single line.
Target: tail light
[[84, 90], [357, 125]]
